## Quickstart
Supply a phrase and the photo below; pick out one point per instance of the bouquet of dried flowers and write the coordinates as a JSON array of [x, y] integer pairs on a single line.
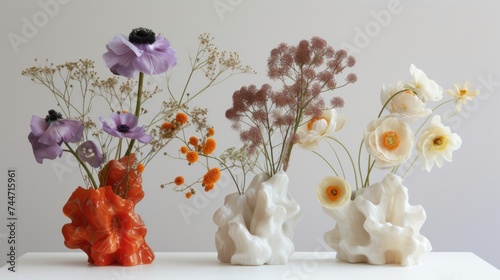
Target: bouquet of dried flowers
[[113, 155], [78, 91], [269, 121]]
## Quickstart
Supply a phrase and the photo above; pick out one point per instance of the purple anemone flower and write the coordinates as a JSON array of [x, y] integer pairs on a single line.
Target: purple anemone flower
[[43, 151], [89, 153], [125, 125], [48, 134], [141, 51]]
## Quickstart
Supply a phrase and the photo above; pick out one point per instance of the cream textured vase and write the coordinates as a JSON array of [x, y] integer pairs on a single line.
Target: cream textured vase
[[257, 227], [379, 226]]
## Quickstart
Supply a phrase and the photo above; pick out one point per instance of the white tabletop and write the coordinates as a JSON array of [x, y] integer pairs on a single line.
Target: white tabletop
[[205, 266]]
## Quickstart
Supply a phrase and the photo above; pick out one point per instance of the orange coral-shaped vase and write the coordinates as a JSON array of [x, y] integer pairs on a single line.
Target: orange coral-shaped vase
[[103, 224]]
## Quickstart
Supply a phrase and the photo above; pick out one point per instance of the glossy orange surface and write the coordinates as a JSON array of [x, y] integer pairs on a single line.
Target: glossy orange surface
[[103, 224]]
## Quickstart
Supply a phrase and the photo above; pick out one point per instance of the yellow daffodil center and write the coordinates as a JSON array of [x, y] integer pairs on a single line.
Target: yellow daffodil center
[[333, 192], [390, 140], [312, 121], [462, 92], [440, 143]]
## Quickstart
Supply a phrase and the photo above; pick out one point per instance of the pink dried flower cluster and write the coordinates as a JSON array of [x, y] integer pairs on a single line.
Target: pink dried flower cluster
[[267, 119]]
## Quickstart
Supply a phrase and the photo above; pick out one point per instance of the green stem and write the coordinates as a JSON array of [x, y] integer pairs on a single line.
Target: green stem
[[327, 162], [350, 158], [409, 168], [270, 156], [185, 87], [367, 180], [428, 117], [338, 159], [359, 161], [119, 149], [240, 191], [139, 95], [294, 131], [137, 109], [89, 174], [388, 100]]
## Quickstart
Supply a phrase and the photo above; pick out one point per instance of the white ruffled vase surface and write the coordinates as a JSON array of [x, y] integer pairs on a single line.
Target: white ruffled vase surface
[[257, 227], [379, 226]]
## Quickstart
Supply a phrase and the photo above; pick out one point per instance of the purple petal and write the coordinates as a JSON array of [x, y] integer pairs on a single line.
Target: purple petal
[[139, 134], [38, 125], [157, 58], [51, 135], [128, 119], [115, 120], [62, 131], [42, 151], [110, 130], [70, 130], [90, 153], [145, 138], [125, 71], [111, 58], [120, 45], [162, 44], [119, 56], [120, 64]]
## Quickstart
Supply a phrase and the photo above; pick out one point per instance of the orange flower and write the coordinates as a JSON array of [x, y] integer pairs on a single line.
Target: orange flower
[[209, 147], [167, 126], [188, 195], [192, 156], [209, 187], [210, 131], [140, 168], [211, 177], [179, 180], [193, 140], [181, 118], [184, 150]]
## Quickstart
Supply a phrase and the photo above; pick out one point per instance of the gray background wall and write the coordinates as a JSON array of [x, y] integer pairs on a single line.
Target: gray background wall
[[451, 42]]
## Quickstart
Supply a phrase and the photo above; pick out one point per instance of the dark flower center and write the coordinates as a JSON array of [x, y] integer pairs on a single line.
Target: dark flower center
[[53, 116], [123, 128], [142, 36]]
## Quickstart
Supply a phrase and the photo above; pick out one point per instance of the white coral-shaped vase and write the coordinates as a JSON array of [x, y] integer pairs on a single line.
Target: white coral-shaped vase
[[379, 226], [256, 228]]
